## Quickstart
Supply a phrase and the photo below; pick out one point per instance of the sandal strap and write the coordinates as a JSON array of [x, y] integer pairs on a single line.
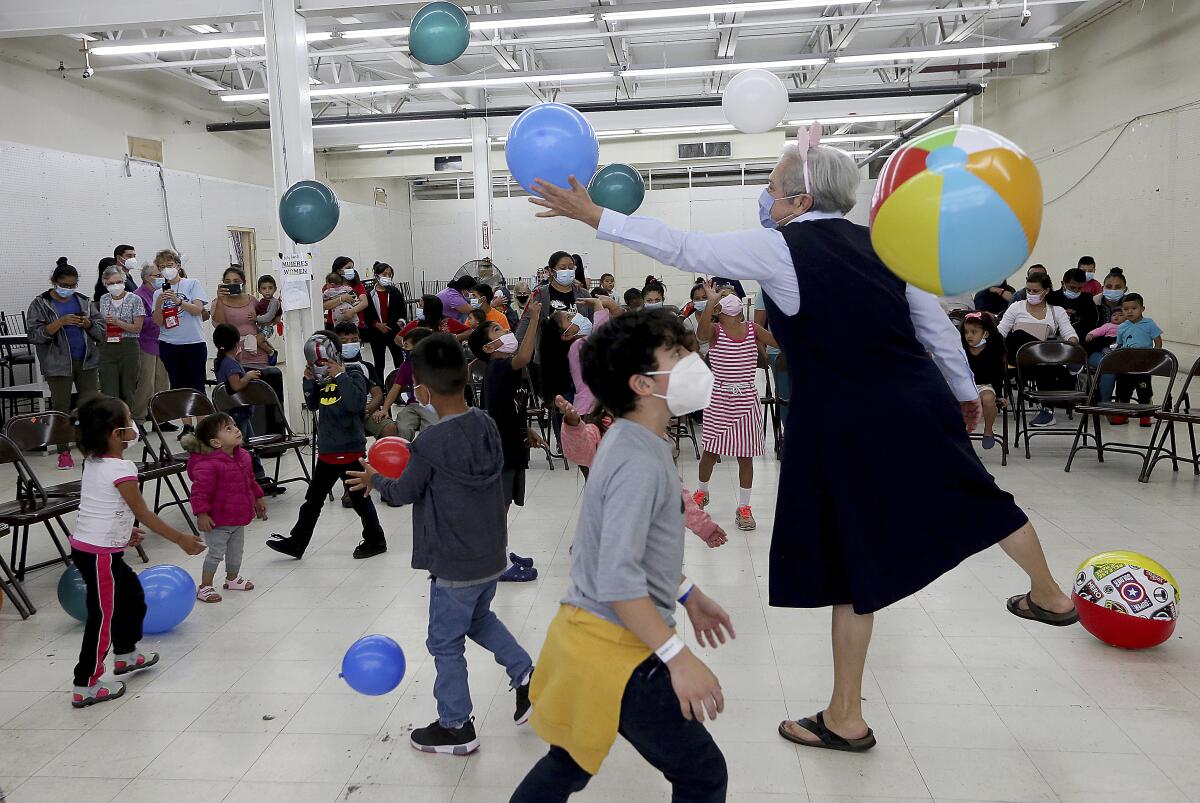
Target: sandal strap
[[826, 735]]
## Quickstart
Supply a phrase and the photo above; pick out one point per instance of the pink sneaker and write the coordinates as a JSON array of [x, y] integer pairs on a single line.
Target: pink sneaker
[[65, 462]]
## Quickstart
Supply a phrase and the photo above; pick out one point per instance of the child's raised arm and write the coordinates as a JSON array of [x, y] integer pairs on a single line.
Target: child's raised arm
[[142, 512]]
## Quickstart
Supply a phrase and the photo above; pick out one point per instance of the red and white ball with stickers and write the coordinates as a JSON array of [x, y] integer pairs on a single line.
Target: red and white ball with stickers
[[1126, 599]]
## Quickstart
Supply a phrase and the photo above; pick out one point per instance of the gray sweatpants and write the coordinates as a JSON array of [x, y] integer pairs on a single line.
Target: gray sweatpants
[[225, 543]]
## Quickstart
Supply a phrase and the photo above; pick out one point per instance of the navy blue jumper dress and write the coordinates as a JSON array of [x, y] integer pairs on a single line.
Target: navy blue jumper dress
[[885, 494]]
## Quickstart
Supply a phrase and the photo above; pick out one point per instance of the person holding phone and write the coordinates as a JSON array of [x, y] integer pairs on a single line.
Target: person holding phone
[[66, 331], [236, 307], [180, 306]]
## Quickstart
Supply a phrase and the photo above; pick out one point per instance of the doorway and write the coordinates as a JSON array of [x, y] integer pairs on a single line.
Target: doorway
[[243, 251]]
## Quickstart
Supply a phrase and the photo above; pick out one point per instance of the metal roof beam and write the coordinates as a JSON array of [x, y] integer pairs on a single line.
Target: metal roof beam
[[52, 17]]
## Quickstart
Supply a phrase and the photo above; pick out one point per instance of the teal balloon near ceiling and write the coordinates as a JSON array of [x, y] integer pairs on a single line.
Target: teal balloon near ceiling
[[308, 211], [618, 187], [439, 33]]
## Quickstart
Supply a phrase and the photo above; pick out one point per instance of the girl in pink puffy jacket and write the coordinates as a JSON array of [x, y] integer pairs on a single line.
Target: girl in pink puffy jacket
[[225, 498]]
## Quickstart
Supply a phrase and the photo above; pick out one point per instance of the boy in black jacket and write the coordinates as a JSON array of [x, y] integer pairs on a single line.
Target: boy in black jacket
[[339, 398], [460, 536]]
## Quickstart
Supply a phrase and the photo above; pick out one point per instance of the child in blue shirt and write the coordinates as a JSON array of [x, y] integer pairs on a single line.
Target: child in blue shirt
[[1140, 332]]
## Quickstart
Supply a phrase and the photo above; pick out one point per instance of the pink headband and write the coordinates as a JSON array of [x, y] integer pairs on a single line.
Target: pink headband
[[974, 316], [806, 140]]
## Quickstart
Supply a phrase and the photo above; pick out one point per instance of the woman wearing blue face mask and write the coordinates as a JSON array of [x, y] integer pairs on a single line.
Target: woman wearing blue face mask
[[66, 331], [1108, 300], [561, 293], [831, 545]]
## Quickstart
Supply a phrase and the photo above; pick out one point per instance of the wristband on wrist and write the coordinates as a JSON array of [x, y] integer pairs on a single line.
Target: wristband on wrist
[[670, 648], [685, 590]]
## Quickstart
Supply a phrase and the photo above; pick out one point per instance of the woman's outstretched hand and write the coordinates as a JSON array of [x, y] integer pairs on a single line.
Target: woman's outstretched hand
[[574, 203]]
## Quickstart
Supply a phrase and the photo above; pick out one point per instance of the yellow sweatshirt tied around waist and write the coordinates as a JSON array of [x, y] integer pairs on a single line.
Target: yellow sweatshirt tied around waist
[[577, 690]]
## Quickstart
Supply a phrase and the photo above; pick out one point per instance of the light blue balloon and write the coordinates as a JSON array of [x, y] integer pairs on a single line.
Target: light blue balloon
[[373, 665], [308, 211], [170, 595], [551, 141], [618, 187], [439, 33], [72, 593]]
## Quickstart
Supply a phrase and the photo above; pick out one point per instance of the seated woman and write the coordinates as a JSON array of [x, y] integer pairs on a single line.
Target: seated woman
[[1033, 319], [1108, 300]]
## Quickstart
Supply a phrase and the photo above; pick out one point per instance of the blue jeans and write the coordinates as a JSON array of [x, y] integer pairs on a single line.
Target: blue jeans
[[454, 615], [1107, 381]]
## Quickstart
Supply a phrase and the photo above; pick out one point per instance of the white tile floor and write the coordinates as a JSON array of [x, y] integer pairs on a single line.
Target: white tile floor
[[968, 702]]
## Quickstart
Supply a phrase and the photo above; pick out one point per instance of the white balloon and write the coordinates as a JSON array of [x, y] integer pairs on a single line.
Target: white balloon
[[755, 101]]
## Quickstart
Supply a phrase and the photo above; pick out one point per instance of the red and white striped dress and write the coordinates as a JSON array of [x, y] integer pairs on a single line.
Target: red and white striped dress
[[733, 421]]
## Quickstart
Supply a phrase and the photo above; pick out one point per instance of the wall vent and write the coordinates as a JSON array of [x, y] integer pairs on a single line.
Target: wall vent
[[704, 150], [149, 149]]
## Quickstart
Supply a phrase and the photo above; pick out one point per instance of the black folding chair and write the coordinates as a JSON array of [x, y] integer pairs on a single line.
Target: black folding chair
[[11, 587], [266, 447], [1035, 362], [1129, 362], [31, 506], [536, 413], [1004, 407], [162, 466], [15, 354], [1182, 413]]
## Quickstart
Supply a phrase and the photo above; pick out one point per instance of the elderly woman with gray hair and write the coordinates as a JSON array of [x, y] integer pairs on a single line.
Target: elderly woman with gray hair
[[123, 313], [868, 511]]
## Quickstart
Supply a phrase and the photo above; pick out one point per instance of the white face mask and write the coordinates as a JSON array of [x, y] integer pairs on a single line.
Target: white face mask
[[700, 305], [117, 289], [689, 385], [731, 306], [1034, 298], [653, 305], [506, 343], [348, 273], [420, 313], [170, 274], [137, 436], [384, 281], [427, 405], [131, 264], [582, 324]]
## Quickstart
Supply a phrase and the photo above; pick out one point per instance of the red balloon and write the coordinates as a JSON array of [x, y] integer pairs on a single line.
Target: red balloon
[[1121, 629], [389, 456]]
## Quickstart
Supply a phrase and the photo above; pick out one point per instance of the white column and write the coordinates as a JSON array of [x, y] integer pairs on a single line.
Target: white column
[[292, 161], [482, 172]]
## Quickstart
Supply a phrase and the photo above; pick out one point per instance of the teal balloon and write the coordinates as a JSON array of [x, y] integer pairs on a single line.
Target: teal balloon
[[308, 211], [439, 33], [72, 593], [618, 187]]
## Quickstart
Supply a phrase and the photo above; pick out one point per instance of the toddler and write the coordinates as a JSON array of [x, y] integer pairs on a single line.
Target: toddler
[[109, 504], [985, 354], [335, 288], [225, 498], [1136, 332]]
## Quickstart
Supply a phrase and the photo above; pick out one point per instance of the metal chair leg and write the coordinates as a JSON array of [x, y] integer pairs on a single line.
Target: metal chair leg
[[1079, 433]]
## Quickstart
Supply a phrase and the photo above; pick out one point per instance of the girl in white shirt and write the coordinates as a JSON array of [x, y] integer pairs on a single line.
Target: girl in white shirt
[[1034, 319], [109, 503]]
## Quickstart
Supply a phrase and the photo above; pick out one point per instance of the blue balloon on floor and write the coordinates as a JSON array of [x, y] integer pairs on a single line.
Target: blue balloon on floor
[[170, 595], [308, 211], [439, 33], [373, 665], [618, 187], [551, 141], [72, 593]]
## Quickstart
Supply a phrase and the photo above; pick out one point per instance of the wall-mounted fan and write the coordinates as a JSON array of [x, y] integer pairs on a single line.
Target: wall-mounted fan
[[482, 270]]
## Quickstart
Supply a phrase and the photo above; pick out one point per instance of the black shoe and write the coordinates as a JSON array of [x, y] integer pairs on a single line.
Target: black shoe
[[187, 429], [525, 563], [285, 546], [271, 488], [346, 501], [436, 739], [368, 550], [167, 426], [524, 707]]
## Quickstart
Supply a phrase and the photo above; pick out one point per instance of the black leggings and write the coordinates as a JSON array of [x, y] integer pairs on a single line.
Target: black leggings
[[185, 364], [682, 749], [324, 477], [116, 606]]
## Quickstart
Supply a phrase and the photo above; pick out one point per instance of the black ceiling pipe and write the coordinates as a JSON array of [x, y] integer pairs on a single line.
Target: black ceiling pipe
[[862, 93]]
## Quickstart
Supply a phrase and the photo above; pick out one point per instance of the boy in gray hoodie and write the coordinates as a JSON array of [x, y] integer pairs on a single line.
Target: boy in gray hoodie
[[460, 536]]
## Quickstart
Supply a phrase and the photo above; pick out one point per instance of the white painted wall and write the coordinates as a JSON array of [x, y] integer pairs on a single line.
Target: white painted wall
[[1139, 208]]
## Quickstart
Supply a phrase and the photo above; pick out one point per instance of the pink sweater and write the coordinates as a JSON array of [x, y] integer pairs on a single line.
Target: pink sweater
[[584, 400], [1104, 330], [223, 487], [579, 444]]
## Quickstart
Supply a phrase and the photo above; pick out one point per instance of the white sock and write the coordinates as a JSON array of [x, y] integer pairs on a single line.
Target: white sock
[[702, 486], [743, 496]]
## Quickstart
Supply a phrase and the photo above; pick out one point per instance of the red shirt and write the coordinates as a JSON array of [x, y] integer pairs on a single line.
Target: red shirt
[[448, 325], [382, 298]]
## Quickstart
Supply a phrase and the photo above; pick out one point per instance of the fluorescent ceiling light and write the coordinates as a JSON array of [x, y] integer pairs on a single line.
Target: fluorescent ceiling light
[[945, 53], [199, 43], [204, 28], [685, 129], [720, 8], [322, 91], [860, 138], [863, 118], [617, 132], [348, 20], [639, 72], [516, 79], [410, 146], [372, 33], [531, 22]]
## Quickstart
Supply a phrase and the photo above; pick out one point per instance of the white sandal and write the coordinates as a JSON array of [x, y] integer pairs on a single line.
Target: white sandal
[[207, 594], [240, 584]]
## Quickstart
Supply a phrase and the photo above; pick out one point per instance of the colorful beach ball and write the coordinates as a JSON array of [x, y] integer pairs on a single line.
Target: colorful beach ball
[[956, 210], [1126, 599]]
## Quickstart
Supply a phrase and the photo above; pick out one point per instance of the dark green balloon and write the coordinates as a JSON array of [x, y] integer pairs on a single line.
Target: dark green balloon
[[72, 593], [308, 212], [618, 187], [439, 33]]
